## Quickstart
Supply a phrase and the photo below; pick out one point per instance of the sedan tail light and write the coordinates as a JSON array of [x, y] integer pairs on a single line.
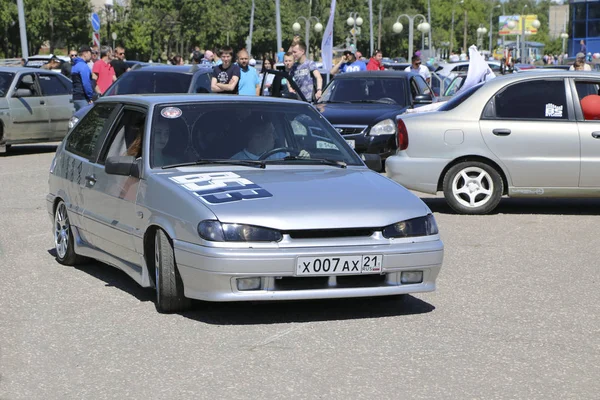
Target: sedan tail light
[[402, 138]]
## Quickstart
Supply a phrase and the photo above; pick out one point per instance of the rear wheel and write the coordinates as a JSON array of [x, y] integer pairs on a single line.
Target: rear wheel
[[168, 282], [473, 187], [63, 237]]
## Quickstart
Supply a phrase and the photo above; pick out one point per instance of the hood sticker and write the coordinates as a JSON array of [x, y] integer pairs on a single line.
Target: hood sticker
[[171, 112], [221, 187]]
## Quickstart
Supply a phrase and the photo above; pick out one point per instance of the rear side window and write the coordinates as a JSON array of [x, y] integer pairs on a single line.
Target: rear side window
[[82, 141], [540, 99], [145, 82], [52, 85]]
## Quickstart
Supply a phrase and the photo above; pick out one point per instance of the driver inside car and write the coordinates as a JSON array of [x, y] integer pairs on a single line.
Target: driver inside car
[[262, 141]]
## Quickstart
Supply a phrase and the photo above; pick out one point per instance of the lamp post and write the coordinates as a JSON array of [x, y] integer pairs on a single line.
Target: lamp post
[[114, 38], [481, 31], [522, 21], [354, 21], [423, 27], [307, 22], [452, 30], [564, 36], [491, 26]]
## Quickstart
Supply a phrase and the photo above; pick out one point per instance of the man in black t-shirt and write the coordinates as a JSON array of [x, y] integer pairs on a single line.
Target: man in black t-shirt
[[225, 77], [118, 63]]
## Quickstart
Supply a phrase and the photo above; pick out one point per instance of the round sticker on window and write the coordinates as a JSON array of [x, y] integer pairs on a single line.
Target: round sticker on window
[[171, 112]]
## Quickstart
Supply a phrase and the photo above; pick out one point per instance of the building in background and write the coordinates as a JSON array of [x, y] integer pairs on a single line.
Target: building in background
[[584, 25]]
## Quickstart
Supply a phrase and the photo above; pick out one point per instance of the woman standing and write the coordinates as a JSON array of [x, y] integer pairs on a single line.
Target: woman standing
[[267, 64]]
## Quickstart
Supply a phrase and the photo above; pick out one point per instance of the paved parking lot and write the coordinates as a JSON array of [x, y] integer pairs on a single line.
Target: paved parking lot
[[516, 316]]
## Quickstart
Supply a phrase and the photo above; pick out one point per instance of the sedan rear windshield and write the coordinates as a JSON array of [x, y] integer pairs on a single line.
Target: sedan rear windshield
[[145, 82], [366, 89], [460, 98], [5, 80]]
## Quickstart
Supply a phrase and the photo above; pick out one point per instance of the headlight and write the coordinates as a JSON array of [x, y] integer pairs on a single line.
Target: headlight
[[422, 226], [385, 127], [215, 231], [73, 121]]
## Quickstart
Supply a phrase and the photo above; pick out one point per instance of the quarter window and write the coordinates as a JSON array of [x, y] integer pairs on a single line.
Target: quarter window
[[82, 141], [539, 99], [52, 86]]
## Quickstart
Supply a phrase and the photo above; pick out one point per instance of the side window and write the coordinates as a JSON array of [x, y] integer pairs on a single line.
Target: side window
[[27, 81], [589, 105], [126, 137], [203, 83], [52, 86], [586, 88], [423, 88], [414, 88], [84, 137], [540, 99]]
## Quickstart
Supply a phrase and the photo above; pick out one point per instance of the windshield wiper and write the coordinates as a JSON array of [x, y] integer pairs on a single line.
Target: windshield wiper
[[324, 161], [371, 101], [333, 102], [245, 163]]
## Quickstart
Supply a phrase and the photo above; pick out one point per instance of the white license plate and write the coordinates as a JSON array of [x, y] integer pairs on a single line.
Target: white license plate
[[351, 142], [339, 265]]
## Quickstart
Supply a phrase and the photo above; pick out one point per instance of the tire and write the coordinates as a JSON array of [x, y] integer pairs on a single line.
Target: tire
[[168, 283], [473, 187], [63, 237]]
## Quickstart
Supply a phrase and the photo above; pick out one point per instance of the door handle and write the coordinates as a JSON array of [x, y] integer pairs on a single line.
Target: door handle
[[90, 180], [596, 135], [501, 132], [42, 102]]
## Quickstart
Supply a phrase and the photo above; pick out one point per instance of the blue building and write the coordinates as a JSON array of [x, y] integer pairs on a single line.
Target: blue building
[[585, 25]]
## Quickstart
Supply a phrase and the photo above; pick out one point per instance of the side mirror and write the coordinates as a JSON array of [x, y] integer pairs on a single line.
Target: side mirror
[[122, 165], [423, 99], [23, 93], [372, 161]]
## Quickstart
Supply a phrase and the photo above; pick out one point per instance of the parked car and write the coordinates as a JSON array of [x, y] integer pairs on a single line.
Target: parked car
[[451, 69], [223, 198], [521, 135], [364, 106], [39, 60], [157, 78], [35, 106]]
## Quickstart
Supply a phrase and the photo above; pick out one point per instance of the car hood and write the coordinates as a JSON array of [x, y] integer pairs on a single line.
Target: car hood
[[3, 102], [299, 198], [358, 114]]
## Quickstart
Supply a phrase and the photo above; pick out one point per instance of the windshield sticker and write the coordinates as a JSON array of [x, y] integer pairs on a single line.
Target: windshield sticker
[[221, 187], [552, 110], [171, 112]]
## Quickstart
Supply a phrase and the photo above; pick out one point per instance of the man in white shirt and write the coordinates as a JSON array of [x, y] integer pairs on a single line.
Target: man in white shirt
[[417, 68]]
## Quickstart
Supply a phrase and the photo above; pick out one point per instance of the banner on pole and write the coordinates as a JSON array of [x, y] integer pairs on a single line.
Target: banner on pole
[[327, 43]]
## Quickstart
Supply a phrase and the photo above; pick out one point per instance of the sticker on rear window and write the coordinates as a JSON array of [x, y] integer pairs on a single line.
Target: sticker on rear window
[[171, 112], [552, 110]]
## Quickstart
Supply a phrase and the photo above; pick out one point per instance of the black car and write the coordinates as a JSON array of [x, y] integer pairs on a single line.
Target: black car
[[364, 106], [157, 78]]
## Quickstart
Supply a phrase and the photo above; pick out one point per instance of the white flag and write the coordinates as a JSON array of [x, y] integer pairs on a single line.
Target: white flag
[[327, 43], [479, 70]]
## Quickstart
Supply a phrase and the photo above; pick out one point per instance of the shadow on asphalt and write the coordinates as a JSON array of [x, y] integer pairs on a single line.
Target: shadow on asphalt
[[258, 313], [26, 149], [580, 206]]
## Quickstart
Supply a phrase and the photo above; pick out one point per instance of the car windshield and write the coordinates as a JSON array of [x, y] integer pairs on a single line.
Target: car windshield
[[245, 133], [459, 98], [5, 80], [357, 90], [144, 82]]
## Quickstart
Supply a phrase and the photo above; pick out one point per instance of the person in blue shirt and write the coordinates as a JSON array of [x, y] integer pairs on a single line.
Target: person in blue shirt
[[249, 81], [83, 92], [348, 63]]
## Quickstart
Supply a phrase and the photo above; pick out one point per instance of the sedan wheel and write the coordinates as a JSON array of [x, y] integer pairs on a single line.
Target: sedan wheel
[[168, 283], [473, 188], [63, 237]]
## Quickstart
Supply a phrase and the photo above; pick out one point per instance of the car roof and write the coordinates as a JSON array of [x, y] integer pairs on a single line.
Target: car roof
[[15, 70], [182, 69], [373, 74], [154, 99]]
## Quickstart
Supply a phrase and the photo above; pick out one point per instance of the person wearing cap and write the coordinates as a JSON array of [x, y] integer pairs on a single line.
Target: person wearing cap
[[82, 78], [580, 64], [54, 63], [348, 63], [375, 62], [417, 68]]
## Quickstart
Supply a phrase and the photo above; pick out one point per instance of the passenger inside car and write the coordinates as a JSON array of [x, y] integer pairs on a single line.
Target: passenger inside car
[[170, 139]]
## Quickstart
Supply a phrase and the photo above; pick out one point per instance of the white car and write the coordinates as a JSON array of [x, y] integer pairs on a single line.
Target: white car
[[453, 69]]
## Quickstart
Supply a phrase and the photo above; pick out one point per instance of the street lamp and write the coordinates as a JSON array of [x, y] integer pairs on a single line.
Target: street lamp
[[307, 22], [480, 32], [354, 21], [423, 27], [452, 30], [564, 36], [491, 26]]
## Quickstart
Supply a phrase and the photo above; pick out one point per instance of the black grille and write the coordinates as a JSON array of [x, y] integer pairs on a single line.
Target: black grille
[[329, 233], [350, 130], [322, 282]]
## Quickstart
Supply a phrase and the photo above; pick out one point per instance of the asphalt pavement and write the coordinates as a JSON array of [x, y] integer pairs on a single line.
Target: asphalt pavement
[[516, 316]]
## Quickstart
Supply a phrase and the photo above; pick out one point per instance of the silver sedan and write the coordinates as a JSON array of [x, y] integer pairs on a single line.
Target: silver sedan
[[220, 198], [521, 135]]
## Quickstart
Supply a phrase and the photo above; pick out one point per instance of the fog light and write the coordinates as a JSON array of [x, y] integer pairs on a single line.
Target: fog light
[[411, 277], [248, 283]]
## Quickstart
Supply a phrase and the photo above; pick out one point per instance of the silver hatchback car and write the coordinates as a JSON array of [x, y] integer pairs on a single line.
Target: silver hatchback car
[[521, 135], [222, 198]]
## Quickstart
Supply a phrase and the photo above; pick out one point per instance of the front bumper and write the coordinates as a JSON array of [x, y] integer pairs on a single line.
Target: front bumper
[[211, 274], [383, 145]]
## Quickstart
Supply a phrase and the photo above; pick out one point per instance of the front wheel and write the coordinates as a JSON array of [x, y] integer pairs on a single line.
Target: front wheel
[[168, 282], [473, 188]]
